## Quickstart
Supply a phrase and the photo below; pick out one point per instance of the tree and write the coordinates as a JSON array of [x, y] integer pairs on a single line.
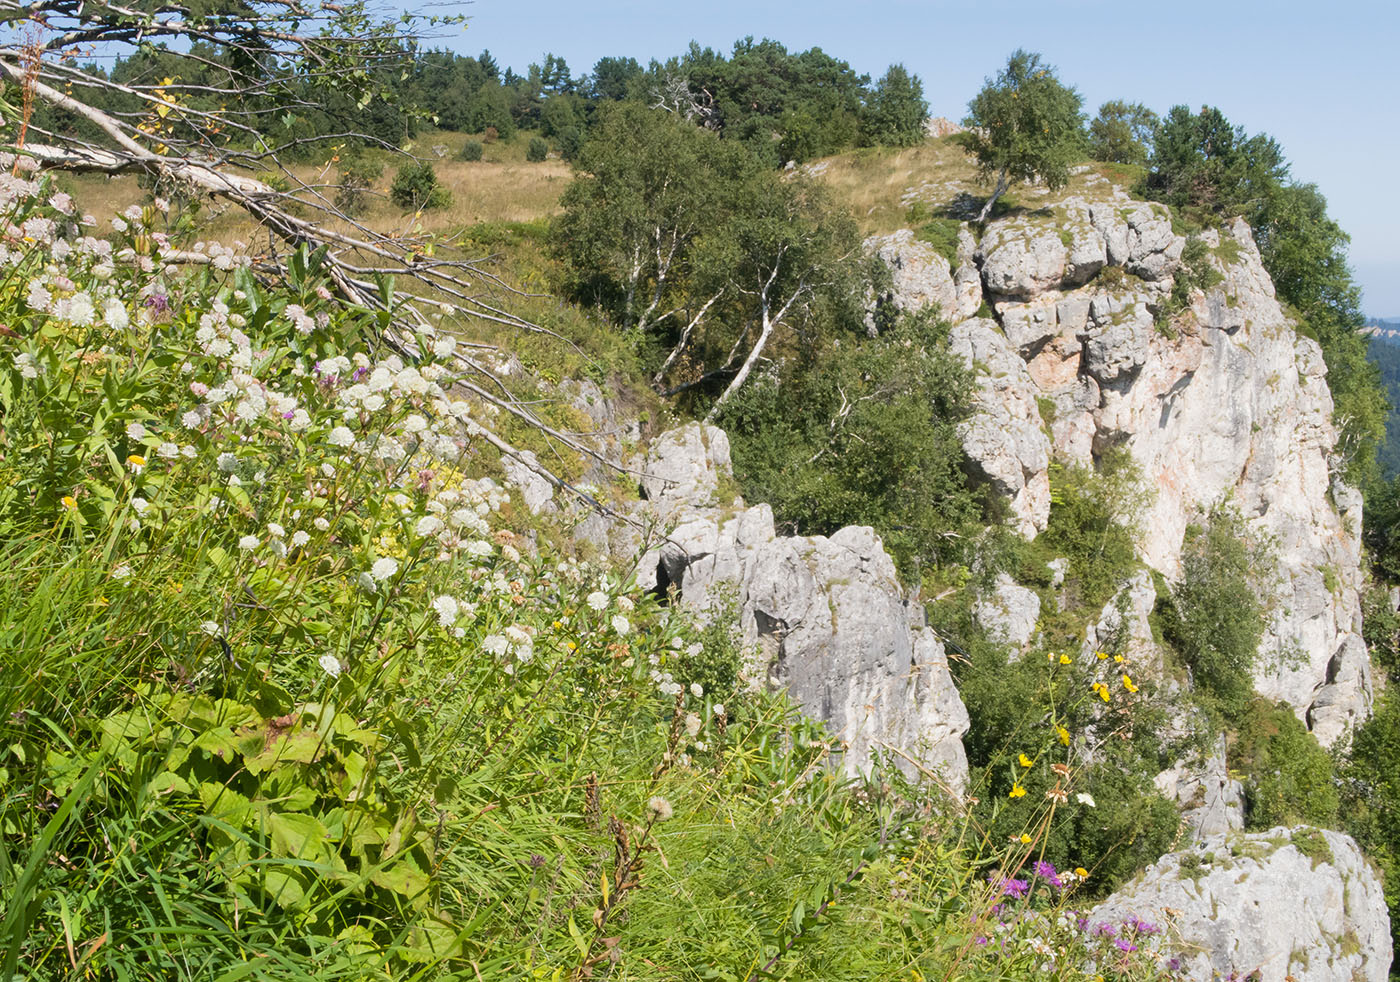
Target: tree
[[1200, 161], [648, 186], [1024, 125], [896, 110], [612, 78], [1122, 133], [693, 246], [785, 250]]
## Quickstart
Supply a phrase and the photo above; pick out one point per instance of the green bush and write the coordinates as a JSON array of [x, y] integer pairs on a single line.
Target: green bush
[[472, 150], [1093, 523], [1116, 823], [537, 150], [1215, 616], [864, 432], [1370, 797], [1288, 776], [416, 188]]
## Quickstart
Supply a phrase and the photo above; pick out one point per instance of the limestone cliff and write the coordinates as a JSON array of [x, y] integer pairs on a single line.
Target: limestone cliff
[[1225, 402]]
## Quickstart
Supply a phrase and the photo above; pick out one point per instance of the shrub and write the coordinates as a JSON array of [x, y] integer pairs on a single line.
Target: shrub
[[865, 433], [1215, 617], [537, 150], [490, 135], [1122, 823], [355, 182], [1370, 793], [416, 188], [472, 150], [1093, 522], [1288, 776]]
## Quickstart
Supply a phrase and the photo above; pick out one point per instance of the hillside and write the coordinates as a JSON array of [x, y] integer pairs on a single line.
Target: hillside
[[714, 557]]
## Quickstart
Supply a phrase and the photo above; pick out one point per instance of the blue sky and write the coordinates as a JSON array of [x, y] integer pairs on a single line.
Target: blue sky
[[1323, 78]]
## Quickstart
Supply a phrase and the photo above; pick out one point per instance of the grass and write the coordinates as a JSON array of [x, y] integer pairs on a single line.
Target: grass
[[501, 187]]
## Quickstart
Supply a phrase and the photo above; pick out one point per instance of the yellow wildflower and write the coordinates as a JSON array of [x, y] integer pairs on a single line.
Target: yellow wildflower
[[1118, 659], [69, 503], [1025, 761], [1081, 872], [1063, 734], [1025, 839], [1101, 690], [1100, 655], [1128, 684], [1065, 659], [1016, 791]]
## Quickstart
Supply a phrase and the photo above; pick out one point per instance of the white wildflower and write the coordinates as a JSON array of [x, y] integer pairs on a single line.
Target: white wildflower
[[446, 608], [384, 568], [697, 690], [598, 600], [495, 644], [692, 725], [135, 431], [340, 437], [227, 462], [300, 538], [167, 450], [621, 624], [210, 628], [330, 664], [276, 531], [322, 524], [1084, 798], [248, 543]]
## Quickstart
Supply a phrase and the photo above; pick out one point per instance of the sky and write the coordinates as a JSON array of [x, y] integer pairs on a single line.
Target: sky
[[1323, 78]]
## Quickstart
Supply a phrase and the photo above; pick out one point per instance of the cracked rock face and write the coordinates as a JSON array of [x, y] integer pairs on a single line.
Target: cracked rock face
[[826, 615], [1005, 439], [1227, 403], [921, 278], [1296, 904]]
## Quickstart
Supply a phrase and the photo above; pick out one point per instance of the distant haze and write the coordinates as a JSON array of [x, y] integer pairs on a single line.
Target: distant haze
[[1321, 79]]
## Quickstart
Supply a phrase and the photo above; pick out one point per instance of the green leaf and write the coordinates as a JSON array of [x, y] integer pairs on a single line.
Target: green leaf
[[297, 836]]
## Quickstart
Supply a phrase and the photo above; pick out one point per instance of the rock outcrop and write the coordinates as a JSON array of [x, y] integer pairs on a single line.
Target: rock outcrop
[[1226, 404], [1005, 439], [921, 277], [826, 615], [1298, 904]]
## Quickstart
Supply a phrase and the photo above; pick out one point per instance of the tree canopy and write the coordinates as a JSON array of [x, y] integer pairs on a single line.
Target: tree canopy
[[1024, 125], [689, 241], [1122, 133]]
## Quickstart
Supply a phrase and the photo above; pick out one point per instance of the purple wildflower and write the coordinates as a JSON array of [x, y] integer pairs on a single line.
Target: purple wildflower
[[1125, 945], [1046, 872], [1103, 929], [1140, 926]]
